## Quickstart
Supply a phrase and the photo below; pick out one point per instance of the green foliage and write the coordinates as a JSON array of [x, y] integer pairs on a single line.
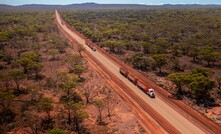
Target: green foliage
[[30, 63], [200, 86], [45, 105], [178, 79], [74, 59], [115, 46], [25, 62], [66, 77], [163, 43], [100, 106], [31, 55], [209, 55], [36, 68], [147, 47], [202, 71], [194, 52], [67, 82], [5, 78], [71, 99], [50, 83], [78, 70], [17, 76], [198, 82], [67, 86], [79, 114], [53, 53], [175, 65], [4, 36], [218, 79], [24, 35], [7, 58], [56, 131], [77, 106], [99, 103], [68, 101], [161, 60], [6, 105], [141, 61], [178, 32], [22, 29], [176, 50], [5, 100]]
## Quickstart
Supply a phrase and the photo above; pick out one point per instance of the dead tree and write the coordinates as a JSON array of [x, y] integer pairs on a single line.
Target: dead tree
[[110, 101]]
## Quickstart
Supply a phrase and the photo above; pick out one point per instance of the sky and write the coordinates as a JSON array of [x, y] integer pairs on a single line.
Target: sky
[[147, 2]]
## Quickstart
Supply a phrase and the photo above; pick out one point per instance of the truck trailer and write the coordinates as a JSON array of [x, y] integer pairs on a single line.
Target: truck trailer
[[149, 91], [132, 78], [124, 72]]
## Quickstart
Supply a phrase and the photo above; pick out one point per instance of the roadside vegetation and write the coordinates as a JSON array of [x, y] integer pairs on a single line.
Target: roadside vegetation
[[45, 86], [180, 45]]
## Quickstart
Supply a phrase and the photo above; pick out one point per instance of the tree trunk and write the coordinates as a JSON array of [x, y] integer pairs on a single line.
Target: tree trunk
[[69, 116], [109, 113], [194, 59], [36, 130], [68, 91], [7, 85], [5, 108], [76, 124], [100, 116], [49, 117], [179, 93], [208, 63], [17, 85], [160, 70], [25, 70], [36, 75], [87, 100], [219, 85], [179, 89]]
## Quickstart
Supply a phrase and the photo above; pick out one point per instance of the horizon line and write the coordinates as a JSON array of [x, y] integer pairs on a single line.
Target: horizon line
[[115, 4]]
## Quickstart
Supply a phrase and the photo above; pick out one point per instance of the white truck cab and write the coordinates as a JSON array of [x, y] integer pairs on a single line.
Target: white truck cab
[[151, 93], [94, 49]]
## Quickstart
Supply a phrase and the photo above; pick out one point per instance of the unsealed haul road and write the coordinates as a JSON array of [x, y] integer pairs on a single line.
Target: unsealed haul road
[[177, 120]]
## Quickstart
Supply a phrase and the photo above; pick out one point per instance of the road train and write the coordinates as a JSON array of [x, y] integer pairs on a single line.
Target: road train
[[91, 46], [138, 83]]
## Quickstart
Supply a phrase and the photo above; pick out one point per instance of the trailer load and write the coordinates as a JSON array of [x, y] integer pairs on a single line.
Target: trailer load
[[149, 91], [132, 79]]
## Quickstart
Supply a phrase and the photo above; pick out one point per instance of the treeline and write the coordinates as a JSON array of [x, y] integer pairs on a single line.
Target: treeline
[[159, 39], [192, 32]]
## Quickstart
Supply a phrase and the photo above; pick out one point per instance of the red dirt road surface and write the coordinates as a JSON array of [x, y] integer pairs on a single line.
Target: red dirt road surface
[[159, 115]]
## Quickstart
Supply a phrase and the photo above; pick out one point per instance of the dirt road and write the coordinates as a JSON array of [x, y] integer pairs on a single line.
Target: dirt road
[[182, 124]]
